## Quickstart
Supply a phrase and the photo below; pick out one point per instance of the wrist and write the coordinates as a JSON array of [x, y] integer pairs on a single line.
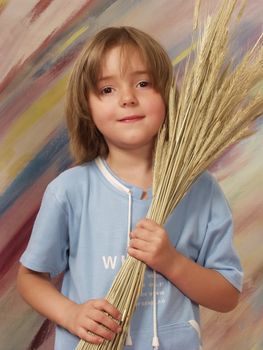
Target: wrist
[[65, 315], [175, 267]]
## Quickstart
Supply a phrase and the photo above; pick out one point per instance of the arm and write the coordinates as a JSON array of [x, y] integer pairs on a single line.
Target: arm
[[38, 291], [204, 286], [150, 244]]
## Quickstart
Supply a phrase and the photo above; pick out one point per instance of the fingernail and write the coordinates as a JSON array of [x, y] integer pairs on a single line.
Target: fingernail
[[119, 329]]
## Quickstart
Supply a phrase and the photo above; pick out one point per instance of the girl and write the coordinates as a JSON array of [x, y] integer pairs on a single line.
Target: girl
[[117, 101]]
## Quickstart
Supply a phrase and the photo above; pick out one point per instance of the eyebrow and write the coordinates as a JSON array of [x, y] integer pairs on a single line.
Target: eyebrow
[[110, 77]]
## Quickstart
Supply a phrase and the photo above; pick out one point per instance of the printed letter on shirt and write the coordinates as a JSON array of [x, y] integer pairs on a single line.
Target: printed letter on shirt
[[109, 262]]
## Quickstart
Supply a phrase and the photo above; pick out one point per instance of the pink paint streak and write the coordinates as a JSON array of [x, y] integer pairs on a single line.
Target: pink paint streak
[[40, 7]]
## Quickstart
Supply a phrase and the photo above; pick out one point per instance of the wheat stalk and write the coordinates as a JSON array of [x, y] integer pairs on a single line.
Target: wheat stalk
[[214, 109]]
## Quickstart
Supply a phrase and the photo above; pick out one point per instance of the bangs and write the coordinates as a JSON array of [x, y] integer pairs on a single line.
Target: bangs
[[94, 68], [156, 60], [126, 51]]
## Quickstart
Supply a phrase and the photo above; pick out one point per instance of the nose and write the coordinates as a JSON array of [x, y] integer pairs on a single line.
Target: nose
[[128, 98]]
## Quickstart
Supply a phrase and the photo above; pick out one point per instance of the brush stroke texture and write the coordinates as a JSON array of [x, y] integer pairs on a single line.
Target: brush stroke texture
[[38, 45]]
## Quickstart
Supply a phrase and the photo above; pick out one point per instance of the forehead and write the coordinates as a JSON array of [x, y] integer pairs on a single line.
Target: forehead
[[122, 60]]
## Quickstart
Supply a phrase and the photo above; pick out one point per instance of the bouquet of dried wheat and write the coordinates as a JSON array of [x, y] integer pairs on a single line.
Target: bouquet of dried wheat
[[214, 109]]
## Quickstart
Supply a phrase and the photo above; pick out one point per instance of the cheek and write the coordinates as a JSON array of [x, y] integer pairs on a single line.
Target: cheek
[[97, 110], [158, 108]]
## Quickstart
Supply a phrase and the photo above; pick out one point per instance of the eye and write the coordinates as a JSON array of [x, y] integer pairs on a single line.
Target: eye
[[106, 90], [143, 83]]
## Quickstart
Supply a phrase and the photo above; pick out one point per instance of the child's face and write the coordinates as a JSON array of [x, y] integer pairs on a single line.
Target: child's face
[[128, 111]]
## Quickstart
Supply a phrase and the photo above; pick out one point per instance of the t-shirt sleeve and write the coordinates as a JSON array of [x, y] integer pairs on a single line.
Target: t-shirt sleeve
[[47, 250], [217, 251]]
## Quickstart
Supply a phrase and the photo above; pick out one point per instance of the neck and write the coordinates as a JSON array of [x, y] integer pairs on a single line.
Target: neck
[[132, 166]]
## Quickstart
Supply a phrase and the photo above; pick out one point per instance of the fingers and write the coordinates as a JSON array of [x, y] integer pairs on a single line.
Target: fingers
[[142, 234], [140, 244], [148, 224], [99, 330], [148, 228], [149, 233], [107, 307], [144, 240], [89, 337], [140, 255], [100, 321], [150, 243], [101, 318]]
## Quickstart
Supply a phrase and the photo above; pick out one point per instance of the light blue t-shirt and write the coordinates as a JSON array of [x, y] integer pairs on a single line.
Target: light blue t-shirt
[[81, 230]]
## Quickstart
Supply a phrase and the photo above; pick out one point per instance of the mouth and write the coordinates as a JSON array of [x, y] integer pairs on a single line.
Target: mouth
[[131, 118]]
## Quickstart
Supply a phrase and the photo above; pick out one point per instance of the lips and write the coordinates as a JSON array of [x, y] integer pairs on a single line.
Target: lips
[[131, 118]]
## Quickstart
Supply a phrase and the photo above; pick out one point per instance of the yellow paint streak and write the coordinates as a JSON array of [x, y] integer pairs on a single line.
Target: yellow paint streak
[[30, 144], [15, 168], [183, 54], [71, 39], [34, 113], [26, 128], [3, 2]]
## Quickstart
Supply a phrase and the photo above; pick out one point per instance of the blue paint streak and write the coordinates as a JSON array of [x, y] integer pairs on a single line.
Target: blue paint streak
[[56, 151]]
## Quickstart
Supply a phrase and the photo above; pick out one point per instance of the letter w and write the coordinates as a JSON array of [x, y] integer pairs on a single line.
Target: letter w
[[109, 262]]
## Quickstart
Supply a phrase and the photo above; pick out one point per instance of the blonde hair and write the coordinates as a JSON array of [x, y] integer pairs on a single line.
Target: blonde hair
[[86, 141]]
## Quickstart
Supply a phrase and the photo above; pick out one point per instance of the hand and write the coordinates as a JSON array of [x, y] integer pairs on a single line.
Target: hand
[[96, 316], [150, 243]]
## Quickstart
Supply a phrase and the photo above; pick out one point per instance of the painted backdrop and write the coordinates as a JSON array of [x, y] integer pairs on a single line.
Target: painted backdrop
[[39, 41]]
